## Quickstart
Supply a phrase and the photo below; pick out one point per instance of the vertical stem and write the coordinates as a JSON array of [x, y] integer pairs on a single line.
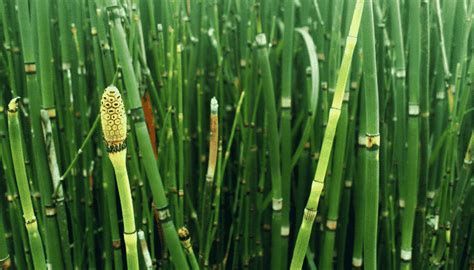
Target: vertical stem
[[31, 223], [413, 135], [274, 142], [372, 136], [285, 126], [419, 237]]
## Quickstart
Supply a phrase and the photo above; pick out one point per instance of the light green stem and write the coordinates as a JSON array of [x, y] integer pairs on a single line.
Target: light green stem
[[31, 224], [123, 185], [311, 208]]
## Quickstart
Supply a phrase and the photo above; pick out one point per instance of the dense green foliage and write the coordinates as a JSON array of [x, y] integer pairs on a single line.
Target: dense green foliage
[[261, 134]]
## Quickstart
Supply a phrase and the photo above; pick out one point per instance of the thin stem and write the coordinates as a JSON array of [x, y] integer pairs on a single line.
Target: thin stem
[[318, 182], [31, 223]]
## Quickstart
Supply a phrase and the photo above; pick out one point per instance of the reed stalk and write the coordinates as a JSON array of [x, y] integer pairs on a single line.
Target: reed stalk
[[318, 182], [274, 141], [31, 224], [413, 135], [372, 137]]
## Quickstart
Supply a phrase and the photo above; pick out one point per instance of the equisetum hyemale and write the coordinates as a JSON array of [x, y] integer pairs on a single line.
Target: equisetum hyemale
[[34, 237], [185, 238], [114, 129]]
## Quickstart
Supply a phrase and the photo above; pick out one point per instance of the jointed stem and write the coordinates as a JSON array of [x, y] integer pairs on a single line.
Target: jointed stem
[[123, 185], [31, 223], [318, 182]]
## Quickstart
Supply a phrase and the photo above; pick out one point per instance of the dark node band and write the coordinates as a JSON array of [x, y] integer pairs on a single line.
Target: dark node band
[[114, 148], [184, 236], [164, 214], [116, 244], [30, 221], [137, 115]]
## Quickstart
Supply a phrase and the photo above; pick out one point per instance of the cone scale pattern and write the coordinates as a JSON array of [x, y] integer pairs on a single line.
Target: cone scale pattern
[[114, 120]]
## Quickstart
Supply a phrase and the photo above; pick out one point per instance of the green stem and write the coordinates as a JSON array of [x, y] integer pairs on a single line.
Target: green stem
[[318, 182], [123, 185], [31, 224], [372, 144], [274, 142]]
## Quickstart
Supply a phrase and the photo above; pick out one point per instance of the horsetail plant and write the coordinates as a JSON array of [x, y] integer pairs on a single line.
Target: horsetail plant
[[31, 223], [211, 169], [412, 176], [271, 117], [114, 129], [372, 136], [318, 182], [185, 239], [285, 126]]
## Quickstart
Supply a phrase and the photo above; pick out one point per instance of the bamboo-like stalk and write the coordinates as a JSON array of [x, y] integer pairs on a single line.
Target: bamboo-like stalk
[[359, 187], [31, 223], [114, 128], [21, 254], [274, 142], [372, 136], [350, 162], [413, 135], [399, 108], [334, 188], [110, 198], [285, 126], [181, 138], [318, 182], [420, 227]]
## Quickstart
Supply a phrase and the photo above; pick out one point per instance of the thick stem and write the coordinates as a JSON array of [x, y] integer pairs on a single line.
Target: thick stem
[[123, 185]]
